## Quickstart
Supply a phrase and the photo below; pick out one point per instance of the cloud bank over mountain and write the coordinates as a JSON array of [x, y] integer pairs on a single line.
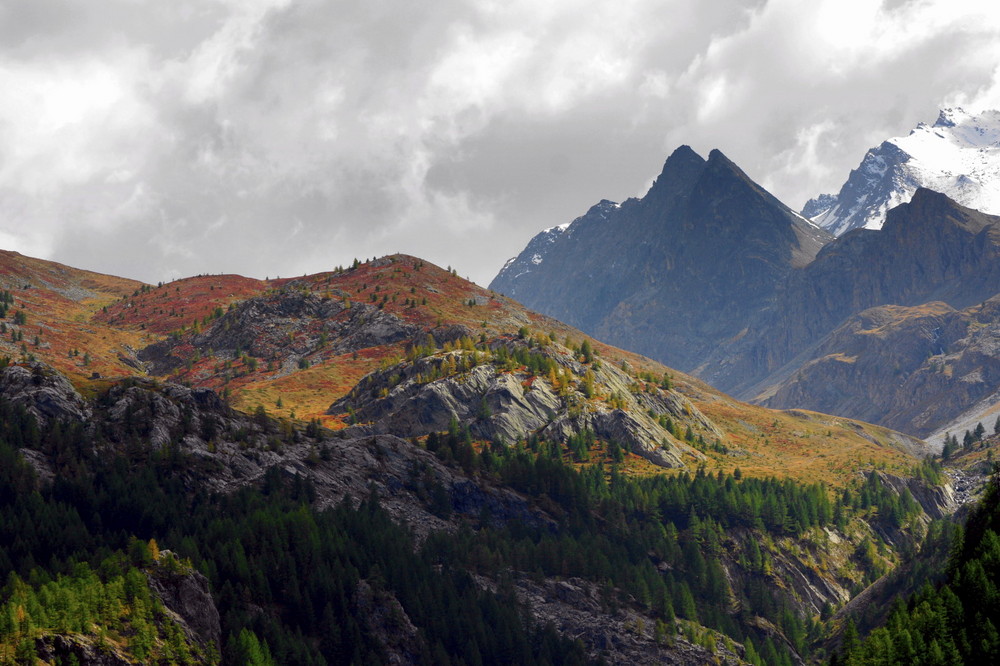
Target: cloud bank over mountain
[[276, 137]]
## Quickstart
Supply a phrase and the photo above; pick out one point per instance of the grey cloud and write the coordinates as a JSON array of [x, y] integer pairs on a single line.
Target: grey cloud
[[48, 28], [282, 137]]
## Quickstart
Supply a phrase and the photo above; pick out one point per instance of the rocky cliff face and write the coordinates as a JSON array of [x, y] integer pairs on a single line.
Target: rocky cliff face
[[186, 595], [929, 249], [188, 603], [811, 350], [77, 649], [617, 632], [227, 449], [500, 404], [936, 501], [388, 622], [674, 273], [910, 368], [46, 394]]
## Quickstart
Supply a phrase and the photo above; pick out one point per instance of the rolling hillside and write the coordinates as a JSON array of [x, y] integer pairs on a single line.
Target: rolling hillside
[[396, 452], [294, 347]]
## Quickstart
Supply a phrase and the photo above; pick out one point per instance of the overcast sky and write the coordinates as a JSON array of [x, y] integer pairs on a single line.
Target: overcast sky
[[157, 139]]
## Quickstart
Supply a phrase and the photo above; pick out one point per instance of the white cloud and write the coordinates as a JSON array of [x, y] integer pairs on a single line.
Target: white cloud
[[281, 136], [859, 71], [64, 123]]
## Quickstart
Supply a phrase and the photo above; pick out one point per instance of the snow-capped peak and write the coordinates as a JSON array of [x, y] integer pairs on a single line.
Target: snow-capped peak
[[950, 117], [959, 155]]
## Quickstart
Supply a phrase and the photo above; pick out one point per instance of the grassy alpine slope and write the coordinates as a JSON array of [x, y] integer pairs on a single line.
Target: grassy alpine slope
[[294, 346]]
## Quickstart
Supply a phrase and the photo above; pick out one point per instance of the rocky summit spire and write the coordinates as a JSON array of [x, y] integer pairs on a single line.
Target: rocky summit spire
[[673, 273], [679, 172]]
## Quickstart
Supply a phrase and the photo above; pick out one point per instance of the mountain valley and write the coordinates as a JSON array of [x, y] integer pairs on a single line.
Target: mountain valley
[[386, 463], [490, 445]]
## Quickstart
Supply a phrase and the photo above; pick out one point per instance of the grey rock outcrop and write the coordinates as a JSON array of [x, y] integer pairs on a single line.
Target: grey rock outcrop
[[46, 394], [64, 649], [186, 595], [413, 399], [936, 501], [617, 631], [288, 324], [229, 450], [389, 624]]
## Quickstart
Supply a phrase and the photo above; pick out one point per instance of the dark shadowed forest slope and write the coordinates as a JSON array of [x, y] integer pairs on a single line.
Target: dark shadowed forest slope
[[952, 618]]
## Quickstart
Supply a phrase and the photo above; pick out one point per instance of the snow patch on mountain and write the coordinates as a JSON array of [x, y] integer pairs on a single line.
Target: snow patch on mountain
[[534, 253], [558, 229], [959, 155], [537, 247]]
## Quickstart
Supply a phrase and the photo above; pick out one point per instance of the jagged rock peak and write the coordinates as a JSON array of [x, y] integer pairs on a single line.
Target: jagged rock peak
[[719, 163], [927, 199], [679, 171], [819, 205], [717, 156], [683, 157], [720, 166], [934, 208], [724, 180], [946, 117], [601, 207], [654, 263]]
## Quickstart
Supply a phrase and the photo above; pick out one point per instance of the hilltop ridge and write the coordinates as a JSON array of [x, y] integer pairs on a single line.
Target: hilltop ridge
[[333, 347]]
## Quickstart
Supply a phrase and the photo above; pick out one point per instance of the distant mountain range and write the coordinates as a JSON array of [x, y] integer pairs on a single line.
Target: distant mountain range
[[959, 155], [711, 274]]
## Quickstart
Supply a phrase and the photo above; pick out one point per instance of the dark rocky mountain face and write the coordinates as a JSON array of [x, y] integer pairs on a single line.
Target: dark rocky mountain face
[[929, 250], [711, 274], [912, 368], [672, 274]]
